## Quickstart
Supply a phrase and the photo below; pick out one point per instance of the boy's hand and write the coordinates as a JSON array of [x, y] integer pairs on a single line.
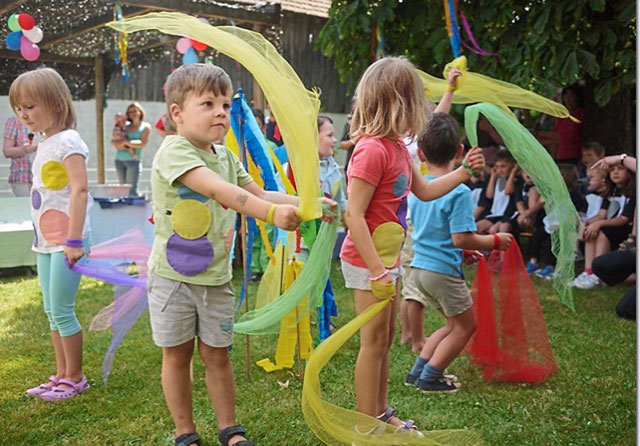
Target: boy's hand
[[73, 254], [329, 209], [475, 159], [505, 240], [453, 76], [286, 217]]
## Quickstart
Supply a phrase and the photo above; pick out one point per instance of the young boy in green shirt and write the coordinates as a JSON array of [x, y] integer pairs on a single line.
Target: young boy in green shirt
[[197, 188]]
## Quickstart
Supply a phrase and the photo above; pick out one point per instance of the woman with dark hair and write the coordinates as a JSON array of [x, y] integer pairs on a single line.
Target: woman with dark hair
[[129, 150]]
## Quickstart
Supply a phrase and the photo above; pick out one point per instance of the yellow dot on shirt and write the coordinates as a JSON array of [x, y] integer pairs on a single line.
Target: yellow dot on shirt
[[388, 238], [190, 219], [54, 175]]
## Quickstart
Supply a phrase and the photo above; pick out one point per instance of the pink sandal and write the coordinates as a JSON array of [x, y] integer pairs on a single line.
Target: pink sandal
[[59, 393], [42, 388]]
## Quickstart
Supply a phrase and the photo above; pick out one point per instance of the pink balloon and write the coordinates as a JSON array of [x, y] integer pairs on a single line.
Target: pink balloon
[[29, 51], [183, 44]]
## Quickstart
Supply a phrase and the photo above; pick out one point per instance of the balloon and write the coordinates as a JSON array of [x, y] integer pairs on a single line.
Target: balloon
[[29, 51], [13, 23], [13, 40], [198, 46], [34, 34], [183, 44], [190, 57], [26, 21]]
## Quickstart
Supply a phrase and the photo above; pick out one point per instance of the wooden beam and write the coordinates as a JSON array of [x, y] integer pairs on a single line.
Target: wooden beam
[[89, 25], [270, 16], [99, 71], [8, 5], [49, 57]]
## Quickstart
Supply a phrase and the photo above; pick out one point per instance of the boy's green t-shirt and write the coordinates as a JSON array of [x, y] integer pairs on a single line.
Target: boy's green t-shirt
[[193, 234]]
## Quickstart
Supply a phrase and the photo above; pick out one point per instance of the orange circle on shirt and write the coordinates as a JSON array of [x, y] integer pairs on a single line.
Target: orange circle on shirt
[[54, 175], [54, 226]]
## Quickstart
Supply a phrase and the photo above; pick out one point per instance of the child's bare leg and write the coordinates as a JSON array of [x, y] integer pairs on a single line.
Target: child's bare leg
[[384, 370], [494, 228], [463, 327], [374, 337], [415, 315], [589, 252], [603, 245], [221, 386], [72, 347], [483, 226], [176, 385], [405, 336], [61, 365], [436, 337], [505, 226]]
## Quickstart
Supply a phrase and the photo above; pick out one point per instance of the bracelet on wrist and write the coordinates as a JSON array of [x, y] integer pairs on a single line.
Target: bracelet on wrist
[[496, 241], [74, 243], [469, 169], [271, 214], [380, 276], [451, 88]]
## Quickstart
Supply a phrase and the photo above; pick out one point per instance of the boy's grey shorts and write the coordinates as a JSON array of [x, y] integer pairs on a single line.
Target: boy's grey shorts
[[181, 311], [442, 291], [356, 277]]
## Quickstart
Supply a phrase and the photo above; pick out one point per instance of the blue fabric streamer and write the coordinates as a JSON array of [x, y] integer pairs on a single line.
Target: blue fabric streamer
[[325, 311], [455, 32]]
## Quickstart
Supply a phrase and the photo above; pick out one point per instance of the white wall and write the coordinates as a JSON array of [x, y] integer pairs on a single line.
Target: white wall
[[86, 112]]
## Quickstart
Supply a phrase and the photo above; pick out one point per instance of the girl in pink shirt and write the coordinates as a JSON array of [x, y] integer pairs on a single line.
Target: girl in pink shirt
[[390, 104]]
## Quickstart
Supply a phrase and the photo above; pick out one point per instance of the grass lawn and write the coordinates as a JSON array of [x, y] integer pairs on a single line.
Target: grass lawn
[[591, 400]]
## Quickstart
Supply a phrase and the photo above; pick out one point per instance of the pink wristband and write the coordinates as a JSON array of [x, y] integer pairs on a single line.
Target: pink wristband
[[373, 279]]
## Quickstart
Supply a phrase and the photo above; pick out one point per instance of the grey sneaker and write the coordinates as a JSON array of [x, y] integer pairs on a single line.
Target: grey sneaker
[[440, 384]]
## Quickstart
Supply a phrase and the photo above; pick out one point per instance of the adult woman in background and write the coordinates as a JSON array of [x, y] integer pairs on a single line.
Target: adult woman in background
[[129, 148]]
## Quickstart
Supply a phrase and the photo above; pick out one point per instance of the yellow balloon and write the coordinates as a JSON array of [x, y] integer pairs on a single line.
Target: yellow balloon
[[190, 219], [54, 175]]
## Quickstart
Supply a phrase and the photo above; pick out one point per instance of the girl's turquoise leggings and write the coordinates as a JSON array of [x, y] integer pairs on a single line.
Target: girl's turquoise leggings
[[59, 285]]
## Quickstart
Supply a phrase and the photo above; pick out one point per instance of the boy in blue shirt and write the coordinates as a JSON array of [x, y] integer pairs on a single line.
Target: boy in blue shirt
[[443, 228]]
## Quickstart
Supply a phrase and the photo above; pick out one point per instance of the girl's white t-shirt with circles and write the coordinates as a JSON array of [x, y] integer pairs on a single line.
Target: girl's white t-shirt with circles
[[51, 193]]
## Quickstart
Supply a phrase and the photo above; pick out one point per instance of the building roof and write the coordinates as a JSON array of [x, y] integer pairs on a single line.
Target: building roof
[[318, 8]]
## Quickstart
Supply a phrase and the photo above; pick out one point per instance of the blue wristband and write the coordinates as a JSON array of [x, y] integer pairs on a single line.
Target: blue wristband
[[74, 243]]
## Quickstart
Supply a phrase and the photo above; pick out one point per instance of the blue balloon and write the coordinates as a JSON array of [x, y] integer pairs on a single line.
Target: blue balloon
[[13, 40], [189, 57]]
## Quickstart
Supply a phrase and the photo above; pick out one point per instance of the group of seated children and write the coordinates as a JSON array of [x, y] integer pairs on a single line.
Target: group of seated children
[[603, 196]]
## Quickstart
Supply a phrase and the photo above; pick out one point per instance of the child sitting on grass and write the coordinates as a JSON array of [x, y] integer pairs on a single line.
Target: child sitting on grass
[[444, 227], [501, 190]]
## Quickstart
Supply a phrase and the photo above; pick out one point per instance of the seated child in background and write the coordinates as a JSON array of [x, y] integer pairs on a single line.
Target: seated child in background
[[119, 132], [501, 189], [443, 228], [603, 233], [541, 238], [528, 204], [591, 153]]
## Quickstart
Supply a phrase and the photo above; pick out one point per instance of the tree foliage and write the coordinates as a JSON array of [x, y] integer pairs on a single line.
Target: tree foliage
[[542, 44]]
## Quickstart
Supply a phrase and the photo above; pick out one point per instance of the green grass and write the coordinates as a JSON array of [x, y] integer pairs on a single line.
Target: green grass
[[589, 401]]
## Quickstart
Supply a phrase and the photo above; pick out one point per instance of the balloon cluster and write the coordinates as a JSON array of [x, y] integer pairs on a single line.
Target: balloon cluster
[[188, 47], [24, 36]]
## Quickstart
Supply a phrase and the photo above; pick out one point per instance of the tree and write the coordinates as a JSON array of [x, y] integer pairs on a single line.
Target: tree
[[543, 44]]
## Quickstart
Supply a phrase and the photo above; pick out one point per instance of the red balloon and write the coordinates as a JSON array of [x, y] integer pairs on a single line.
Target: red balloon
[[26, 21], [198, 46]]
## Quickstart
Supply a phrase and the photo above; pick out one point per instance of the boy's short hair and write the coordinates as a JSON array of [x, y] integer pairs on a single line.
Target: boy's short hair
[[440, 141], [596, 147], [504, 155], [196, 78], [322, 119]]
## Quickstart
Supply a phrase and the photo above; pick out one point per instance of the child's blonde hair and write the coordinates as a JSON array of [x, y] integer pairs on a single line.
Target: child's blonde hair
[[196, 78], [47, 87], [390, 101]]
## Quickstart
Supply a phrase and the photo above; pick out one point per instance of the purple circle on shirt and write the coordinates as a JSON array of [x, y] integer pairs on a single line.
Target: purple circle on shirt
[[189, 257], [36, 199], [400, 185]]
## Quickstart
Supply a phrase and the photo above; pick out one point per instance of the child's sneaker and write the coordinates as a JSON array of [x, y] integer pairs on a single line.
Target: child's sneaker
[[532, 267], [579, 279], [545, 273], [437, 385], [590, 282], [412, 380]]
